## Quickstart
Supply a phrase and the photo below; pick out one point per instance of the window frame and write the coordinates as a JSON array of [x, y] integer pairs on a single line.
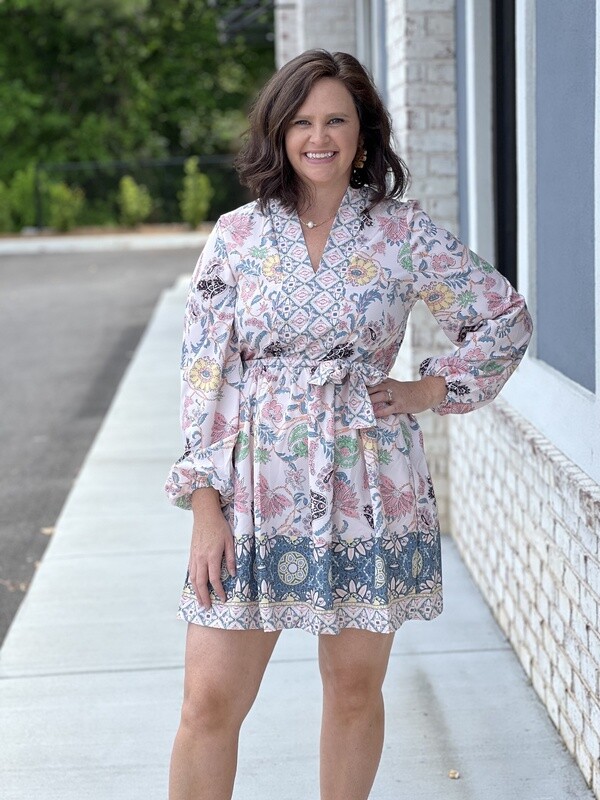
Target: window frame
[[477, 115], [371, 47]]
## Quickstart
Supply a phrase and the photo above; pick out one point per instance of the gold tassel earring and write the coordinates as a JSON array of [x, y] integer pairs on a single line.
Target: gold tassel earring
[[360, 160]]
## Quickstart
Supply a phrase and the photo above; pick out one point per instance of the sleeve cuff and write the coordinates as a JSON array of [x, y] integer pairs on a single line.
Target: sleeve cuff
[[458, 399], [200, 469]]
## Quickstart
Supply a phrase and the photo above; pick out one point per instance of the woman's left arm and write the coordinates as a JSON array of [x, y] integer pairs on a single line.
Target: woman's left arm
[[477, 308]]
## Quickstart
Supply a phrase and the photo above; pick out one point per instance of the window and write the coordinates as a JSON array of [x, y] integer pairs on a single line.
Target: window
[[565, 125]]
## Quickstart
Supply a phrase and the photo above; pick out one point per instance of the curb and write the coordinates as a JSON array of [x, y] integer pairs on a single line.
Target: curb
[[86, 244]]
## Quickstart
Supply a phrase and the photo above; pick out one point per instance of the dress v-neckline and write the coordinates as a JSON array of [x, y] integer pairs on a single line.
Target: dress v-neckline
[[326, 246], [322, 264], [292, 247]]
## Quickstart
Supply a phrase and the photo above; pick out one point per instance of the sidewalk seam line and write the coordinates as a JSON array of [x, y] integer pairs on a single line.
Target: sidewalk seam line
[[168, 667]]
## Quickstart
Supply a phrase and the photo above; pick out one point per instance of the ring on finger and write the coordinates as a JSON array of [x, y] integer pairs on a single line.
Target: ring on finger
[[390, 397]]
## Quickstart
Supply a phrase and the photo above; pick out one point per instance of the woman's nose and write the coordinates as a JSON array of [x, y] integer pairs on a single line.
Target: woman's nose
[[319, 133]]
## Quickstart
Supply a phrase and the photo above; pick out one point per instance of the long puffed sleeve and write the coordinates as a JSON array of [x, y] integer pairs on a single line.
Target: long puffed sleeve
[[476, 307], [211, 372]]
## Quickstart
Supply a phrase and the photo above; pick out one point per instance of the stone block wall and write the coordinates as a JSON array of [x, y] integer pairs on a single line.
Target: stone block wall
[[527, 523]]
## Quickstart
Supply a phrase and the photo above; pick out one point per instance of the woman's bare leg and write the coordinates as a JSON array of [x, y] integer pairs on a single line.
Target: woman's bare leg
[[223, 671], [353, 665]]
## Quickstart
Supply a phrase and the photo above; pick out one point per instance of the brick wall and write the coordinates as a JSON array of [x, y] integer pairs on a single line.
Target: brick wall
[[422, 101], [330, 24], [527, 522], [422, 340], [304, 24], [287, 31]]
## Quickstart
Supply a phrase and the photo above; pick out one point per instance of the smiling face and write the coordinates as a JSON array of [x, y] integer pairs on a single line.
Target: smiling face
[[323, 136]]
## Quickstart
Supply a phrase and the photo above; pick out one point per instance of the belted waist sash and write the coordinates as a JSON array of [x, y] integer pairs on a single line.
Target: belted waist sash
[[352, 408]]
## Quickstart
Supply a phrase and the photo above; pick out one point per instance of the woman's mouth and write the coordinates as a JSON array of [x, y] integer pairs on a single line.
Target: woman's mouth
[[319, 158]]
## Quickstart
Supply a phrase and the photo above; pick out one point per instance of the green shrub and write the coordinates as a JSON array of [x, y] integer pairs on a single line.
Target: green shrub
[[64, 206], [22, 197], [6, 223], [194, 200], [99, 212], [134, 201]]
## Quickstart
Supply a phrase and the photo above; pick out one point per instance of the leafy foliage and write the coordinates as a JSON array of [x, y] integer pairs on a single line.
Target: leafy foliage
[[5, 215], [121, 79], [134, 201], [65, 206], [22, 197], [194, 200]]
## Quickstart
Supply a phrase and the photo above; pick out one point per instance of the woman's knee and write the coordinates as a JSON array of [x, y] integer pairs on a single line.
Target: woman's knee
[[209, 709], [349, 690], [222, 675]]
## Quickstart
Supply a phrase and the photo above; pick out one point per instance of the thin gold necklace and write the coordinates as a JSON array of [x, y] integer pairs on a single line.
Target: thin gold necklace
[[310, 224]]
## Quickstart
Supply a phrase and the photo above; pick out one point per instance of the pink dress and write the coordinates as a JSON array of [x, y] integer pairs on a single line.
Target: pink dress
[[332, 510]]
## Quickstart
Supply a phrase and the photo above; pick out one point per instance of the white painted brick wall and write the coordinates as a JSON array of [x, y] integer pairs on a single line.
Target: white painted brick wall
[[422, 100], [305, 24], [287, 31], [530, 537], [423, 340], [330, 24]]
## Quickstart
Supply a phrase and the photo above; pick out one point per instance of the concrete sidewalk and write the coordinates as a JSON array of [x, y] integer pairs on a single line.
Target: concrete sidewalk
[[91, 670]]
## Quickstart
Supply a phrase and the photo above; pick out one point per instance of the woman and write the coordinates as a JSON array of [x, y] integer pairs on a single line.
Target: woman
[[313, 506]]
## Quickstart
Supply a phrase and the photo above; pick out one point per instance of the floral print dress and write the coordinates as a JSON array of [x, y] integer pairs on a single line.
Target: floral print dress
[[332, 510]]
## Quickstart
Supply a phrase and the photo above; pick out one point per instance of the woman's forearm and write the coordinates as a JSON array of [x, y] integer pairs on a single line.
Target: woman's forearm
[[436, 389], [206, 501]]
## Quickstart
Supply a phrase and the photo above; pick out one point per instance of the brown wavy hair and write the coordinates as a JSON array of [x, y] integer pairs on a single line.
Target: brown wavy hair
[[262, 163]]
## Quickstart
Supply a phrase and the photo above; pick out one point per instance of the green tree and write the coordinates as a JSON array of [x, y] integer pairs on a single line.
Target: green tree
[[122, 79]]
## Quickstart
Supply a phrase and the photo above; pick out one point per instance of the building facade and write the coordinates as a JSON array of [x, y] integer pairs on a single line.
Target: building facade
[[498, 118]]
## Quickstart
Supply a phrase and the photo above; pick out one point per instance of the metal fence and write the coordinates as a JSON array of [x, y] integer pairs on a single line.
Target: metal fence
[[162, 177]]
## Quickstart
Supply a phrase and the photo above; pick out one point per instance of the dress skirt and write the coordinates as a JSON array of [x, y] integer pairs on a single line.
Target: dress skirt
[[374, 561]]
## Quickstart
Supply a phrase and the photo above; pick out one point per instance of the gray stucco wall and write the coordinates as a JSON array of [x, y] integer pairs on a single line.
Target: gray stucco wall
[[565, 106]]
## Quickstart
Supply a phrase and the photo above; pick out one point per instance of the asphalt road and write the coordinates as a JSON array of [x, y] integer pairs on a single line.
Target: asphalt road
[[69, 324]]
